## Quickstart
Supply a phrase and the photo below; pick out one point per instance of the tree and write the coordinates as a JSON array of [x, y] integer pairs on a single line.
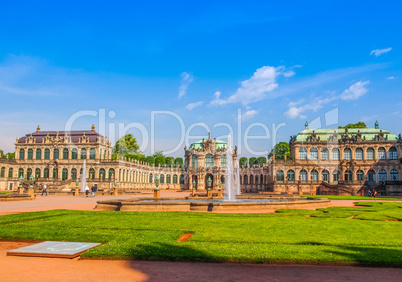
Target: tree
[[281, 149], [1, 153], [169, 161], [150, 160], [126, 146], [9, 156], [360, 124], [160, 160], [252, 161], [159, 153], [262, 160], [243, 161], [178, 161]]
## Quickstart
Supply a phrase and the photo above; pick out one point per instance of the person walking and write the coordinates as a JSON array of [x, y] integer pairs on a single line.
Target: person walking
[[86, 190], [374, 195], [44, 189], [93, 190]]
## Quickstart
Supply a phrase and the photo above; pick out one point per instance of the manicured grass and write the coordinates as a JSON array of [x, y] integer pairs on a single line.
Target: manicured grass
[[370, 234], [5, 192], [335, 197]]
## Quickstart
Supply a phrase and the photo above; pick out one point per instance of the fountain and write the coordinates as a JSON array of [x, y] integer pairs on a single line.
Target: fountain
[[232, 179], [83, 178]]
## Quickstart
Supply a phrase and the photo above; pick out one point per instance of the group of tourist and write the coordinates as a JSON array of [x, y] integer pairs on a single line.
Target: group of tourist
[[94, 188], [370, 193]]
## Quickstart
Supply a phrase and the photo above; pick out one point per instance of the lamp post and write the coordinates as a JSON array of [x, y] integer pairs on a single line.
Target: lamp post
[[220, 189], [76, 183], [157, 192], [156, 181], [194, 188], [115, 187], [209, 192], [20, 188], [31, 189]]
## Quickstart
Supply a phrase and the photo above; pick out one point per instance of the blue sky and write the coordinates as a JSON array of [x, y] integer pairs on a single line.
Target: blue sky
[[276, 62]]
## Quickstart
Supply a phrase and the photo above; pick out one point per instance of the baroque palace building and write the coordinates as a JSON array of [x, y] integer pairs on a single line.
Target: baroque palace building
[[322, 161]]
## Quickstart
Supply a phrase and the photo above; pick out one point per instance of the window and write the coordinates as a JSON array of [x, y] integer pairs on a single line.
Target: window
[[168, 179], [20, 172], [22, 154], [347, 154], [174, 178], [280, 176], [371, 176], [65, 154], [324, 154], [162, 179], [55, 173], [291, 175], [314, 175], [251, 179], [111, 173], [393, 155], [313, 154], [370, 154], [394, 175], [181, 179], [73, 173], [38, 154], [92, 154], [382, 175], [194, 161], [102, 174], [74, 154], [335, 176], [46, 173], [29, 173], [335, 154], [47, 154], [359, 154], [209, 160], [3, 169], [83, 154], [150, 178], [91, 173], [223, 160], [56, 154], [245, 179], [64, 174], [302, 153], [360, 175], [325, 175], [303, 175], [381, 154], [30, 154], [10, 172], [348, 176], [256, 179], [37, 173]]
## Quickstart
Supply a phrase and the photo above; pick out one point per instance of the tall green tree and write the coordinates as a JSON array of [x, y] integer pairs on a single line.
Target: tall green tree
[[360, 124], [160, 160], [150, 160], [262, 160], [169, 161], [252, 161], [1, 154], [178, 161], [159, 153], [243, 161], [280, 150], [126, 146]]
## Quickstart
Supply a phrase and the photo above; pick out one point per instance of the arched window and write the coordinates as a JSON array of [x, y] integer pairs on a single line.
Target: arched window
[[280, 176], [30, 154], [111, 173], [20, 172], [393, 155], [314, 175], [209, 160], [22, 154], [83, 154], [291, 175], [335, 154], [10, 172], [91, 173], [174, 178], [37, 173], [56, 154], [55, 173], [251, 179], [303, 175], [313, 154], [92, 154], [371, 176], [325, 175], [102, 174], [151, 178], [181, 179], [194, 161], [324, 154], [64, 174], [360, 175], [29, 173], [168, 179], [223, 160], [381, 153], [359, 154], [394, 175], [47, 154], [46, 173], [162, 179], [245, 179], [74, 154], [3, 169], [74, 173], [256, 179], [65, 154], [261, 179], [370, 154], [335, 176], [347, 154], [382, 175], [38, 154], [302, 153], [348, 176]]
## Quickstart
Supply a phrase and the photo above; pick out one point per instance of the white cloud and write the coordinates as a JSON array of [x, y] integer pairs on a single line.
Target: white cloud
[[249, 114], [379, 52], [194, 105], [186, 80], [355, 91], [314, 105], [256, 87], [390, 77]]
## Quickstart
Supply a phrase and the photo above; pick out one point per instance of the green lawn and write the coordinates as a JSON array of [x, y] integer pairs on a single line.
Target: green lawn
[[5, 192], [335, 197], [365, 235]]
